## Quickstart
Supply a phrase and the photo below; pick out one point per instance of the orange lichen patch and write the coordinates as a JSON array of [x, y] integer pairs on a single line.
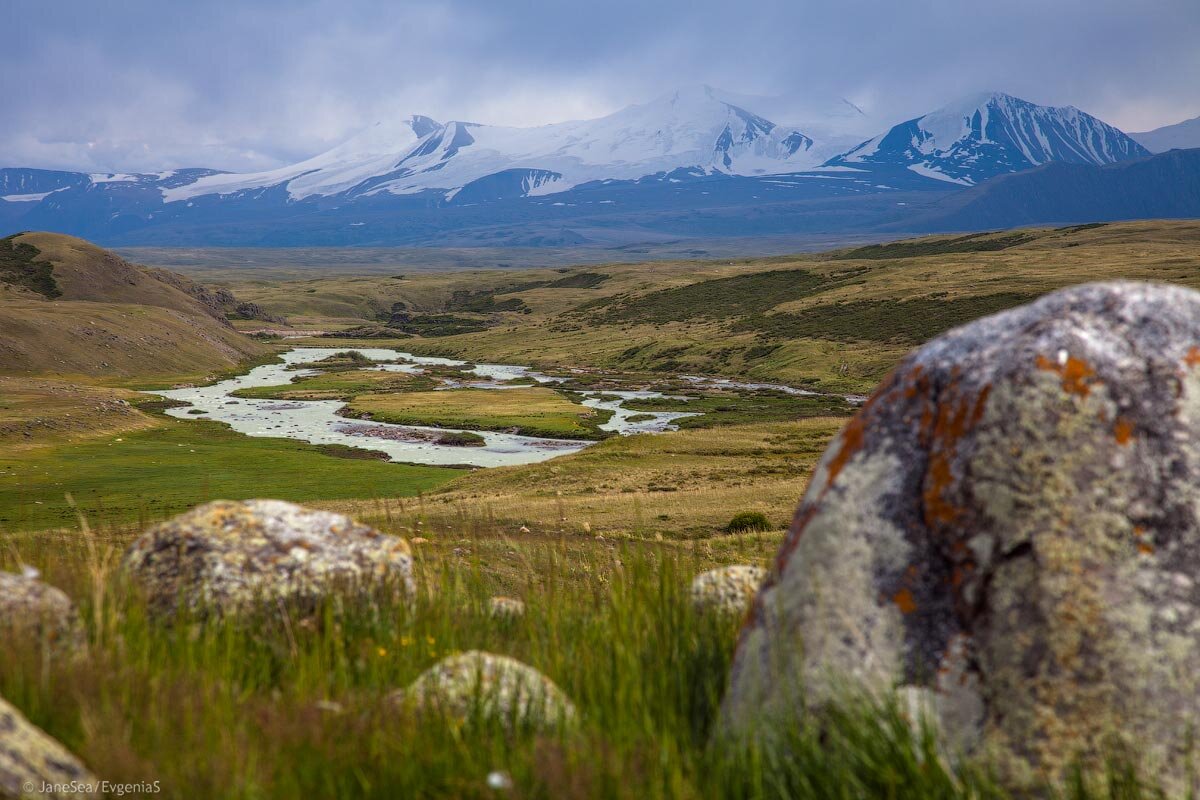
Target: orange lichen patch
[[953, 421], [1075, 374], [1123, 430], [852, 442], [905, 601], [1193, 356], [1145, 548]]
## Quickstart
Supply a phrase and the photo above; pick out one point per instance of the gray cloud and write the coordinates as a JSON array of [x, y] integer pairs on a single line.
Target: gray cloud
[[143, 84]]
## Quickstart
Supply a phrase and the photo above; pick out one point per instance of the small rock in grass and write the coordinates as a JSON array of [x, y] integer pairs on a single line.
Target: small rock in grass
[[29, 759], [485, 685], [727, 590], [38, 614], [506, 607], [228, 557]]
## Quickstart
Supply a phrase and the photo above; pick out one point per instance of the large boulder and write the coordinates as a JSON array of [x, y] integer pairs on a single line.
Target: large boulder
[[31, 761], [477, 684], [35, 613], [228, 557], [1010, 527]]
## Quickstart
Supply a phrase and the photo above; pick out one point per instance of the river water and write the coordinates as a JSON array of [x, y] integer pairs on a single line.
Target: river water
[[318, 422]]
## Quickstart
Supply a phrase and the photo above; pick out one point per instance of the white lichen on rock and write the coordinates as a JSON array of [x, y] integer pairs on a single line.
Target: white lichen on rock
[[1012, 525], [29, 757], [228, 556], [480, 685], [33, 613], [727, 590]]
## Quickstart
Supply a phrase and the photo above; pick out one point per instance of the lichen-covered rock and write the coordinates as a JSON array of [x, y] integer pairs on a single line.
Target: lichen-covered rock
[[31, 760], [727, 590], [506, 607], [226, 557], [1013, 523], [37, 614], [484, 685]]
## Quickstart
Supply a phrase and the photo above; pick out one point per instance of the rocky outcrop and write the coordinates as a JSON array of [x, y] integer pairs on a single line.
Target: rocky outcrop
[[1010, 526], [31, 761], [727, 590], [476, 685], [36, 614], [233, 556]]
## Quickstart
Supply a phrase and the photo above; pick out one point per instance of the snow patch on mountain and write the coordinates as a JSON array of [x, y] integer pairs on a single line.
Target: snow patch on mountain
[[696, 127], [992, 133]]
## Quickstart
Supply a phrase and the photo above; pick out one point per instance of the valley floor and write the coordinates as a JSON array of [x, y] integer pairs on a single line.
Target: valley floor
[[600, 544]]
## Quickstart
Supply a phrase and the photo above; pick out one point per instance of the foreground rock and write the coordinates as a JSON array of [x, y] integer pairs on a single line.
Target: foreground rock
[[1010, 525], [37, 614], [227, 557], [478, 684], [29, 760], [727, 590]]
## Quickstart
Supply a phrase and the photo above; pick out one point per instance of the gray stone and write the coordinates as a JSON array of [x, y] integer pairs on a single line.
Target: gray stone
[[38, 615], [30, 758], [1013, 522], [727, 590], [491, 686], [500, 607], [228, 557]]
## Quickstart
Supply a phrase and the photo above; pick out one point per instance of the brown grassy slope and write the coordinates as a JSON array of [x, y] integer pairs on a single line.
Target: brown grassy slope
[[36, 413], [113, 321], [679, 485]]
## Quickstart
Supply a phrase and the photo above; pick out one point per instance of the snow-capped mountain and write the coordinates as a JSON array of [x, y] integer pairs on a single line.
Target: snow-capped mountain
[[695, 162], [696, 129], [989, 134], [1180, 136]]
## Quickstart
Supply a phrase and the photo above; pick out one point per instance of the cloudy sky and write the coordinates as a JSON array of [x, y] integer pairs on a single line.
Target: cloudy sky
[[241, 84]]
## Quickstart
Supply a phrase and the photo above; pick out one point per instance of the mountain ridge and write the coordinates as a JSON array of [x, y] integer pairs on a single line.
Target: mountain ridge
[[698, 156]]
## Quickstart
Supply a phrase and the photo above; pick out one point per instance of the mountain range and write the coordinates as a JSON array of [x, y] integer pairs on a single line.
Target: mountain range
[[697, 161]]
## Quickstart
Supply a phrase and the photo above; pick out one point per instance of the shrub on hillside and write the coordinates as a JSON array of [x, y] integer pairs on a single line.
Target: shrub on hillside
[[745, 521]]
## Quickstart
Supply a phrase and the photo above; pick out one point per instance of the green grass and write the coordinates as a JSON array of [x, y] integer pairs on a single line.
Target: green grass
[[530, 412], [19, 266], [746, 407], [152, 473], [986, 242], [723, 298], [338, 386], [235, 711], [908, 322]]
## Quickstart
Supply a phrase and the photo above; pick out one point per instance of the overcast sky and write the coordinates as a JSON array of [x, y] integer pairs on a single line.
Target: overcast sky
[[152, 84]]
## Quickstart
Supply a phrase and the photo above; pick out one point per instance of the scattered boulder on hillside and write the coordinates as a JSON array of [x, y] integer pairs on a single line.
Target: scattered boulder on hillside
[[30, 759], [476, 684], [727, 590], [230, 556], [506, 607], [1010, 525], [38, 614]]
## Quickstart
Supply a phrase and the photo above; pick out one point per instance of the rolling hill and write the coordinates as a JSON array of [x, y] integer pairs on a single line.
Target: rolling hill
[[69, 308]]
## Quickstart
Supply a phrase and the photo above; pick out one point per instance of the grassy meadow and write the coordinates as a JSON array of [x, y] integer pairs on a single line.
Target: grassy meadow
[[601, 544], [835, 321], [529, 412]]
